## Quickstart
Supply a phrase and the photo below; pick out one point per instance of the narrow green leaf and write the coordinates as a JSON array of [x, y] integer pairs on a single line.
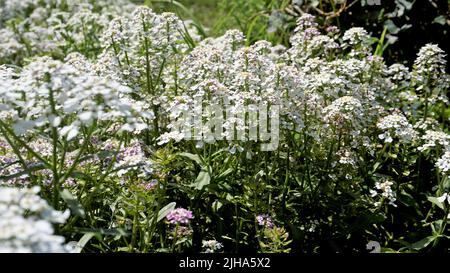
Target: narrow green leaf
[[423, 243], [164, 211], [73, 203], [225, 173], [193, 157], [83, 241]]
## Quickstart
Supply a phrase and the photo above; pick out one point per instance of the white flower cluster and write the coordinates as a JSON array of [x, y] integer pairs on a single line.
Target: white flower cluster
[[26, 223], [132, 158], [53, 94], [384, 188], [10, 47], [358, 39], [342, 111], [443, 163], [433, 139], [222, 72], [303, 80], [400, 75], [356, 35], [429, 71], [396, 126], [430, 60], [211, 246], [346, 157], [49, 25], [144, 49]]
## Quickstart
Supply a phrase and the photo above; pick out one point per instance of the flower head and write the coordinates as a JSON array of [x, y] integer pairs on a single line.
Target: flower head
[[265, 220], [179, 216], [211, 246], [26, 222]]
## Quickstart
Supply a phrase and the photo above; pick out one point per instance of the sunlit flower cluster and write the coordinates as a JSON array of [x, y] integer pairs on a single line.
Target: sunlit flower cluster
[[396, 126], [383, 188], [50, 93], [211, 246], [27, 220]]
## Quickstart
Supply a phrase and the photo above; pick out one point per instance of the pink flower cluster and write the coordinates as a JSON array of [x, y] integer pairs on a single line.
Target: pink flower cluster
[[179, 216]]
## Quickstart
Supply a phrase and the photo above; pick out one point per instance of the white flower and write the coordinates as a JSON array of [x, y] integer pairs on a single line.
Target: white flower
[[343, 111], [434, 138], [384, 189], [26, 222], [355, 35], [77, 96], [443, 163], [211, 246], [396, 125]]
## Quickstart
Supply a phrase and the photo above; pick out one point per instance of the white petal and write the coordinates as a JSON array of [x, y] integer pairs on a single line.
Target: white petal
[[55, 121], [23, 126], [72, 133], [85, 116]]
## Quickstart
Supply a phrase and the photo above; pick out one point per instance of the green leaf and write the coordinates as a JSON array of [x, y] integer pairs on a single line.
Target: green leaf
[[104, 231], [381, 45], [439, 20], [435, 201], [225, 173], [216, 205], [203, 179], [34, 168], [391, 27], [193, 157], [376, 166], [406, 199], [164, 211], [73, 203], [446, 182], [423, 243], [83, 241]]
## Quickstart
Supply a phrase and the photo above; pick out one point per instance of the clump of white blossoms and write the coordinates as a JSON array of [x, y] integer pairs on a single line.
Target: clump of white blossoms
[[223, 72], [430, 64], [132, 158], [435, 139], [54, 26], [384, 189], [143, 49], [10, 47], [51, 94], [396, 126], [26, 223], [344, 111], [211, 246], [443, 163], [359, 40]]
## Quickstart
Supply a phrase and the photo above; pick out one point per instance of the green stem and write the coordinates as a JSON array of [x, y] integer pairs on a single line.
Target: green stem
[[442, 228], [135, 225], [25, 145], [17, 152]]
